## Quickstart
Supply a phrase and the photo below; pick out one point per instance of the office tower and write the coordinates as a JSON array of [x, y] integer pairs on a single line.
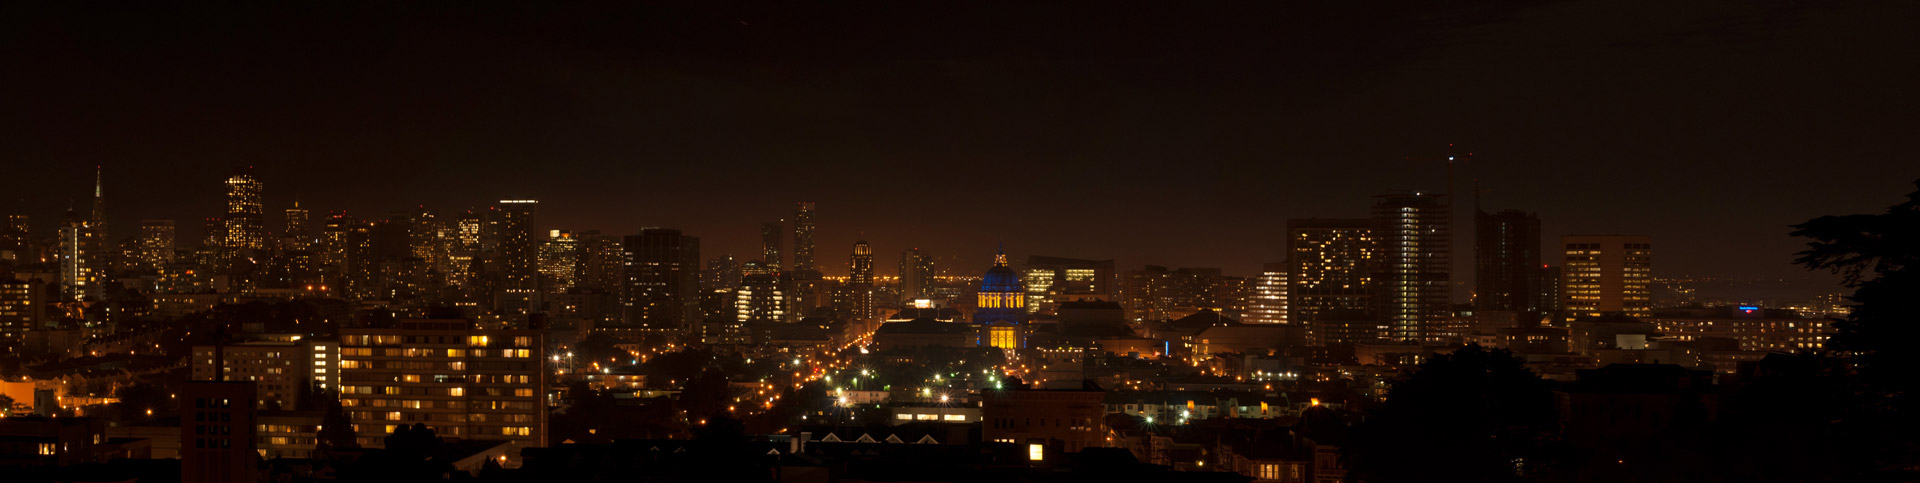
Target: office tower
[[296, 233], [333, 240], [860, 281], [1506, 252], [559, 258], [1604, 274], [1156, 293], [1329, 268], [759, 298], [663, 279], [519, 247], [602, 262], [770, 245], [425, 239], [217, 432], [1000, 307], [1269, 296], [722, 274], [459, 381], [916, 275], [360, 263], [803, 238], [81, 252], [156, 243], [463, 249], [243, 222], [1412, 230], [860, 265], [1053, 280]]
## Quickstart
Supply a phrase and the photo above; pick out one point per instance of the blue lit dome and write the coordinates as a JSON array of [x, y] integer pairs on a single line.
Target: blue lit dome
[[1001, 278]]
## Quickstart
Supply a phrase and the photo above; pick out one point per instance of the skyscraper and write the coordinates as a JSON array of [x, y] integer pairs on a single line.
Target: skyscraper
[[156, 243], [860, 265], [916, 275], [663, 279], [243, 222], [759, 298], [1605, 274], [519, 246], [296, 234], [559, 258], [1269, 296], [803, 238], [1506, 256], [98, 220], [860, 280], [1330, 268], [1416, 268], [721, 274], [80, 258], [770, 236]]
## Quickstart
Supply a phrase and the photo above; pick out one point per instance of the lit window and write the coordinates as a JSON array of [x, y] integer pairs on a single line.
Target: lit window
[[1036, 452]]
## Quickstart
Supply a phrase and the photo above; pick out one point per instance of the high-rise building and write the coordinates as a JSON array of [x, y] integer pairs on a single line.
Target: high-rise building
[[1269, 296], [860, 265], [463, 249], [333, 240], [602, 262], [1606, 274], [759, 298], [296, 233], [1330, 267], [1156, 293], [1000, 307], [1412, 231], [244, 230], [99, 217], [916, 275], [519, 245], [860, 281], [722, 274], [81, 259], [1053, 280], [426, 239], [663, 279], [156, 243], [1506, 252], [459, 381], [803, 238], [770, 235], [22, 308], [559, 258]]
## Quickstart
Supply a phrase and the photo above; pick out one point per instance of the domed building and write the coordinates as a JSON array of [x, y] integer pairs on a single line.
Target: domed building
[[1000, 307]]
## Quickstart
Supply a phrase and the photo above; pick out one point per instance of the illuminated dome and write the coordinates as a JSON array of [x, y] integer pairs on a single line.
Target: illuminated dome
[[1001, 278]]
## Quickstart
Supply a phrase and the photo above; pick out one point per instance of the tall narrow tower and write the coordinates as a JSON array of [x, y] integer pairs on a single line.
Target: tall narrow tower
[[99, 219], [1416, 265], [770, 235], [243, 228], [803, 238]]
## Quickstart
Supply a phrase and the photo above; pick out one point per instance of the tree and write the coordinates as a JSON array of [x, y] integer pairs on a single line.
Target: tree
[[1878, 256], [1472, 415]]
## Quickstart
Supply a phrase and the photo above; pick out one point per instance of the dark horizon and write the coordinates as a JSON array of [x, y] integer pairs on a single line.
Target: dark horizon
[[1177, 136]]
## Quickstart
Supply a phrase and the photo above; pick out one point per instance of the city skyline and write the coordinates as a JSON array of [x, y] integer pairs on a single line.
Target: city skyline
[[1277, 121]]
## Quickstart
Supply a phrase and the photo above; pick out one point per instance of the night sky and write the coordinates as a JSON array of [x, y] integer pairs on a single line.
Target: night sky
[[1178, 135]]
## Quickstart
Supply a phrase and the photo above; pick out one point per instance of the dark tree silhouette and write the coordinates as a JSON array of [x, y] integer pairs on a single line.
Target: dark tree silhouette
[[1878, 256], [1472, 415]]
